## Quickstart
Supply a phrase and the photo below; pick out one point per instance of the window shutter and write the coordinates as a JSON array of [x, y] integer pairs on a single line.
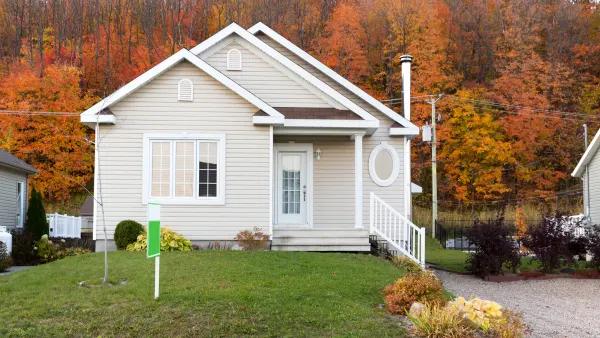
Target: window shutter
[[234, 60], [185, 90]]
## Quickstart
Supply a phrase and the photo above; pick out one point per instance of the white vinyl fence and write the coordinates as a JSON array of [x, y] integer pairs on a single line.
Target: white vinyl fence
[[64, 225]]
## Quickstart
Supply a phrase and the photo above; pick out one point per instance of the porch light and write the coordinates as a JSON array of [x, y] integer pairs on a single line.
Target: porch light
[[318, 154]]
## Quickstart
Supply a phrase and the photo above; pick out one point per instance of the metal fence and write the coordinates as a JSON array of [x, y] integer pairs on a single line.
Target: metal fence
[[453, 234], [64, 225]]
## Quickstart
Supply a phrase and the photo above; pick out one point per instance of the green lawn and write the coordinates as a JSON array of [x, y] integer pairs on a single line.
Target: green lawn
[[203, 293], [453, 260]]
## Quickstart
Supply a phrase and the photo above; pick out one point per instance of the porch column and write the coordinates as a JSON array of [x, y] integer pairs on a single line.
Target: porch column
[[358, 180]]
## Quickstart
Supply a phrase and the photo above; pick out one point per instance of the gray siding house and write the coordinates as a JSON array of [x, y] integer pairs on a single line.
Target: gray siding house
[[588, 169], [14, 174], [246, 131]]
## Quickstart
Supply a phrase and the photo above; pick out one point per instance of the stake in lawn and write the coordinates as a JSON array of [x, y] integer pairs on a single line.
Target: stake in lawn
[[153, 241]]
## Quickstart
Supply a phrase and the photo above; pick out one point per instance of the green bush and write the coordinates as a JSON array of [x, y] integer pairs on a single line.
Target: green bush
[[47, 250], [169, 241], [5, 260], [126, 233], [36, 223]]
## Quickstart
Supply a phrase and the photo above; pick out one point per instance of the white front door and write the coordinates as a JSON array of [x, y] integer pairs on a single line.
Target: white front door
[[293, 192]]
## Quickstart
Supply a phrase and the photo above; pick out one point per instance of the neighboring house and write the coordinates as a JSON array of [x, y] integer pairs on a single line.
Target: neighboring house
[[248, 131], [14, 174], [86, 212], [588, 169]]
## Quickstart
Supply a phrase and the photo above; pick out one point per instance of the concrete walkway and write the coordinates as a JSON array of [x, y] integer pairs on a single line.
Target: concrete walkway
[[14, 269], [552, 308]]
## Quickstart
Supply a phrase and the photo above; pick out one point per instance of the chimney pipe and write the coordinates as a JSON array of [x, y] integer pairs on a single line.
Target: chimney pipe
[[406, 61]]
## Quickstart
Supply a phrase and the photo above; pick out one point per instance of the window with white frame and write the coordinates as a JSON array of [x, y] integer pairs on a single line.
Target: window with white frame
[[185, 90], [234, 59], [186, 169], [384, 164]]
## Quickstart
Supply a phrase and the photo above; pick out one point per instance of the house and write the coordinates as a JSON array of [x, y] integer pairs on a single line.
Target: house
[[588, 169], [14, 174], [246, 131], [86, 212]]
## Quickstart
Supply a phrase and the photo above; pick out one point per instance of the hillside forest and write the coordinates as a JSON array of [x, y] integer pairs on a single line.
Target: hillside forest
[[519, 79]]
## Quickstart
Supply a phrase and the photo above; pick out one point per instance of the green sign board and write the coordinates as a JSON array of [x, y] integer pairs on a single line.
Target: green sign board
[[153, 235]]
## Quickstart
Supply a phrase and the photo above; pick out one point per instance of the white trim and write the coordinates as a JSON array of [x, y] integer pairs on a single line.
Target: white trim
[[358, 180], [308, 147], [184, 54], [318, 131], [587, 156], [271, 181], [183, 98], [407, 181], [404, 132], [416, 189], [91, 120], [234, 50], [235, 28], [316, 123], [21, 203], [221, 167], [384, 146], [267, 119], [96, 178], [332, 74]]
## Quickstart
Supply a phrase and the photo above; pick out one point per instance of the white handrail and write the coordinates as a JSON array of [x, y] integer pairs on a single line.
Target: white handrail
[[397, 230]]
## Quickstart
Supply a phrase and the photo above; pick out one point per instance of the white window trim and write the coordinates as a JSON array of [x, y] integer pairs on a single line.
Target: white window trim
[[384, 146], [147, 171], [179, 98], [234, 50], [21, 204]]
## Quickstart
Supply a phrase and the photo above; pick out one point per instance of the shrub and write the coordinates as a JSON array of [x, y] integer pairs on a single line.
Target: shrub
[[252, 240], [494, 247], [169, 241], [23, 243], [36, 215], [76, 251], [421, 287], [593, 246], [406, 263], [482, 313], [510, 325], [5, 260], [577, 247], [441, 322], [47, 250], [126, 233], [549, 241]]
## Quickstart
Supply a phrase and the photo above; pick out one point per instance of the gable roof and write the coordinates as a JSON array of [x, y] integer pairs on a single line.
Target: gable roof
[[303, 73], [9, 160], [98, 111], [587, 156], [260, 27]]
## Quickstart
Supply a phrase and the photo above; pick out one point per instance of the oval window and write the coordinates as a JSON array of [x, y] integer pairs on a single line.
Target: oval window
[[384, 164]]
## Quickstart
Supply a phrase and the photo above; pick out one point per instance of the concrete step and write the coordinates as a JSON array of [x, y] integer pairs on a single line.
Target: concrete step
[[335, 248], [322, 233], [320, 241]]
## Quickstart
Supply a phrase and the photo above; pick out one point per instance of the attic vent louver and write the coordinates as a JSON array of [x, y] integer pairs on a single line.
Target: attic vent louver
[[185, 90], [234, 60]]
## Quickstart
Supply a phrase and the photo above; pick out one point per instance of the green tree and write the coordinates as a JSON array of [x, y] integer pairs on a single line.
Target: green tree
[[36, 215]]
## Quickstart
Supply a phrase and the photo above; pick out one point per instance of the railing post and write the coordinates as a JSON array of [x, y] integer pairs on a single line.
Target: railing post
[[422, 249]]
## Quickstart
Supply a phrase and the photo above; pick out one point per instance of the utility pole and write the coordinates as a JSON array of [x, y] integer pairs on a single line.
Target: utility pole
[[434, 198]]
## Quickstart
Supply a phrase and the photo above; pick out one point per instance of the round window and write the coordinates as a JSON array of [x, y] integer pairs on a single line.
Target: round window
[[384, 164]]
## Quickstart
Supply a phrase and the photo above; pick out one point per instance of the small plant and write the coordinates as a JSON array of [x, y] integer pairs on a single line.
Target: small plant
[[126, 233], [421, 287], [494, 248], [483, 313], [36, 224], [441, 322], [593, 246], [550, 242], [406, 263], [47, 250], [252, 240], [169, 241], [22, 248], [5, 260], [76, 251], [510, 325]]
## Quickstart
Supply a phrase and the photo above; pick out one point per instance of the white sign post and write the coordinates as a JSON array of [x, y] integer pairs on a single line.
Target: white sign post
[[153, 241]]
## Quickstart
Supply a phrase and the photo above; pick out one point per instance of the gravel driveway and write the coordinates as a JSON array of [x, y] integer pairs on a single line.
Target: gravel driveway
[[552, 308]]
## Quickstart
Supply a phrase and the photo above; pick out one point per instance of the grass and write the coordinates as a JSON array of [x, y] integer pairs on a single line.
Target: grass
[[205, 293], [453, 260]]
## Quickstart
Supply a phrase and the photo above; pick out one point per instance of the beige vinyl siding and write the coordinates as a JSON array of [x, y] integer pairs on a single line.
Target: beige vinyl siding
[[333, 178], [8, 195], [154, 108], [264, 80], [594, 185], [393, 194]]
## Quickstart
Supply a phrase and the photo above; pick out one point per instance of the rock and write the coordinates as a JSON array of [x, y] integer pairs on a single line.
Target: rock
[[123, 282], [415, 309]]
